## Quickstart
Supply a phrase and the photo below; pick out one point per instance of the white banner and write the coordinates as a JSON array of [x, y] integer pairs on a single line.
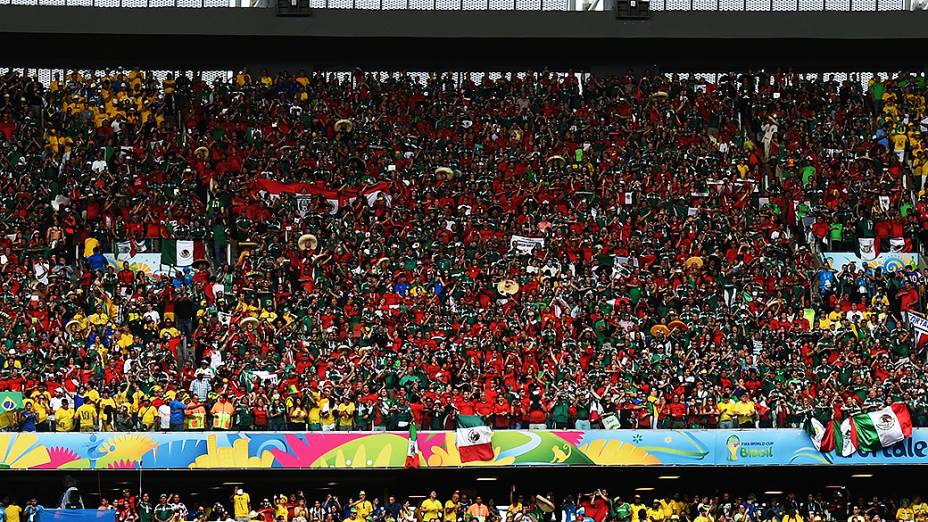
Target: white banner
[[867, 248], [526, 244], [265, 376], [917, 323], [303, 204]]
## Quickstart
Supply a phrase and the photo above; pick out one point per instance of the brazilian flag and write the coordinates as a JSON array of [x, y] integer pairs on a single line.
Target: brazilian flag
[[11, 401]]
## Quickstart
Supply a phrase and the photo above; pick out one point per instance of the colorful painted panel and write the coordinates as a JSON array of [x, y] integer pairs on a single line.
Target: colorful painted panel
[[357, 450], [888, 262]]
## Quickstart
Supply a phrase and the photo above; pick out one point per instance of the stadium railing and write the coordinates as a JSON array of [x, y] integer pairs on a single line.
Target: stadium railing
[[499, 5]]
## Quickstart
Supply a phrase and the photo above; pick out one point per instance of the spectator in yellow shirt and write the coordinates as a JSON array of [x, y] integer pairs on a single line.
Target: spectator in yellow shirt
[[148, 415], [637, 508], [453, 503], [13, 511], [726, 413], [99, 317], [241, 505], [64, 417], [745, 411], [169, 330], [704, 515], [346, 415], [919, 509], [362, 505], [515, 505], [327, 409], [905, 512], [667, 508], [655, 512], [87, 416], [280, 508], [430, 509]]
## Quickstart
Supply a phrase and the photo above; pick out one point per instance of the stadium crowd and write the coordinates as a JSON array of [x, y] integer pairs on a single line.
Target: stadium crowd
[[597, 506], [640, 251]]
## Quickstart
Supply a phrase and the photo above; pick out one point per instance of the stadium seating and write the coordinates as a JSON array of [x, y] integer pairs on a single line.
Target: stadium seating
[[597, 506], [307, 252]]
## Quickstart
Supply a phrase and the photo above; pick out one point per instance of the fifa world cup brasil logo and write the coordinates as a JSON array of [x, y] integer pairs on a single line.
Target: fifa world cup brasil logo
[[733, 444]]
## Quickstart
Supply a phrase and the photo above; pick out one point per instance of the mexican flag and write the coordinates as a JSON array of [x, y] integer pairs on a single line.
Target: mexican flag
[[11, 401], [130, 248], [844, 438], [412, 454], [473, 438], [822, 435], [875, 430], [379, 190], [181, 253]]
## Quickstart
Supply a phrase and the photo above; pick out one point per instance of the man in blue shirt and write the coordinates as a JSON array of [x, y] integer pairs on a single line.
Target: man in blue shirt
[[31, 512], [96, 261], [28, 418], [392, 507], [177, 415]]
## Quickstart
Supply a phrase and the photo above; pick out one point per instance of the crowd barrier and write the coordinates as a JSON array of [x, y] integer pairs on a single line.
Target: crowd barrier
[[359, 450]]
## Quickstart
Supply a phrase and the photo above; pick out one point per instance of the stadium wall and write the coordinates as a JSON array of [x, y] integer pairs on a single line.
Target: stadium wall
[[360, 450], [41, 36]]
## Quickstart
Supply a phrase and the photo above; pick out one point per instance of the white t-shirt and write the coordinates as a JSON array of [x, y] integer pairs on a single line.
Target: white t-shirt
[[41, 271], [155, 316], [164, 416], [98, 165]]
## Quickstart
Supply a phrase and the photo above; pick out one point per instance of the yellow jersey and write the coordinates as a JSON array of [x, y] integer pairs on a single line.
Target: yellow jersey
[[656, 514], [64, 419], [431, 509], [13, 513], [241, 505], [87, 415]]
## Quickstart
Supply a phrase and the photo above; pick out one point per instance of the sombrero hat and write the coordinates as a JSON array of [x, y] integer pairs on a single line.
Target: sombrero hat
[[557, 160], [201, 263], [515, 135], [73, 326], [677, 324], [201, 152], [659, 329], [247, 245], [544, 504], [255, 273], [444, 172], [344, 125], [307, 242], [507, 287], [357, 162], [694, 261], [248, 321]]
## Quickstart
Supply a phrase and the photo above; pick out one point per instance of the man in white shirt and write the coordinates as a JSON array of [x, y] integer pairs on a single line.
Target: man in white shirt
[[99, 164], [55, 403], [164, 417], [153, 314]]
